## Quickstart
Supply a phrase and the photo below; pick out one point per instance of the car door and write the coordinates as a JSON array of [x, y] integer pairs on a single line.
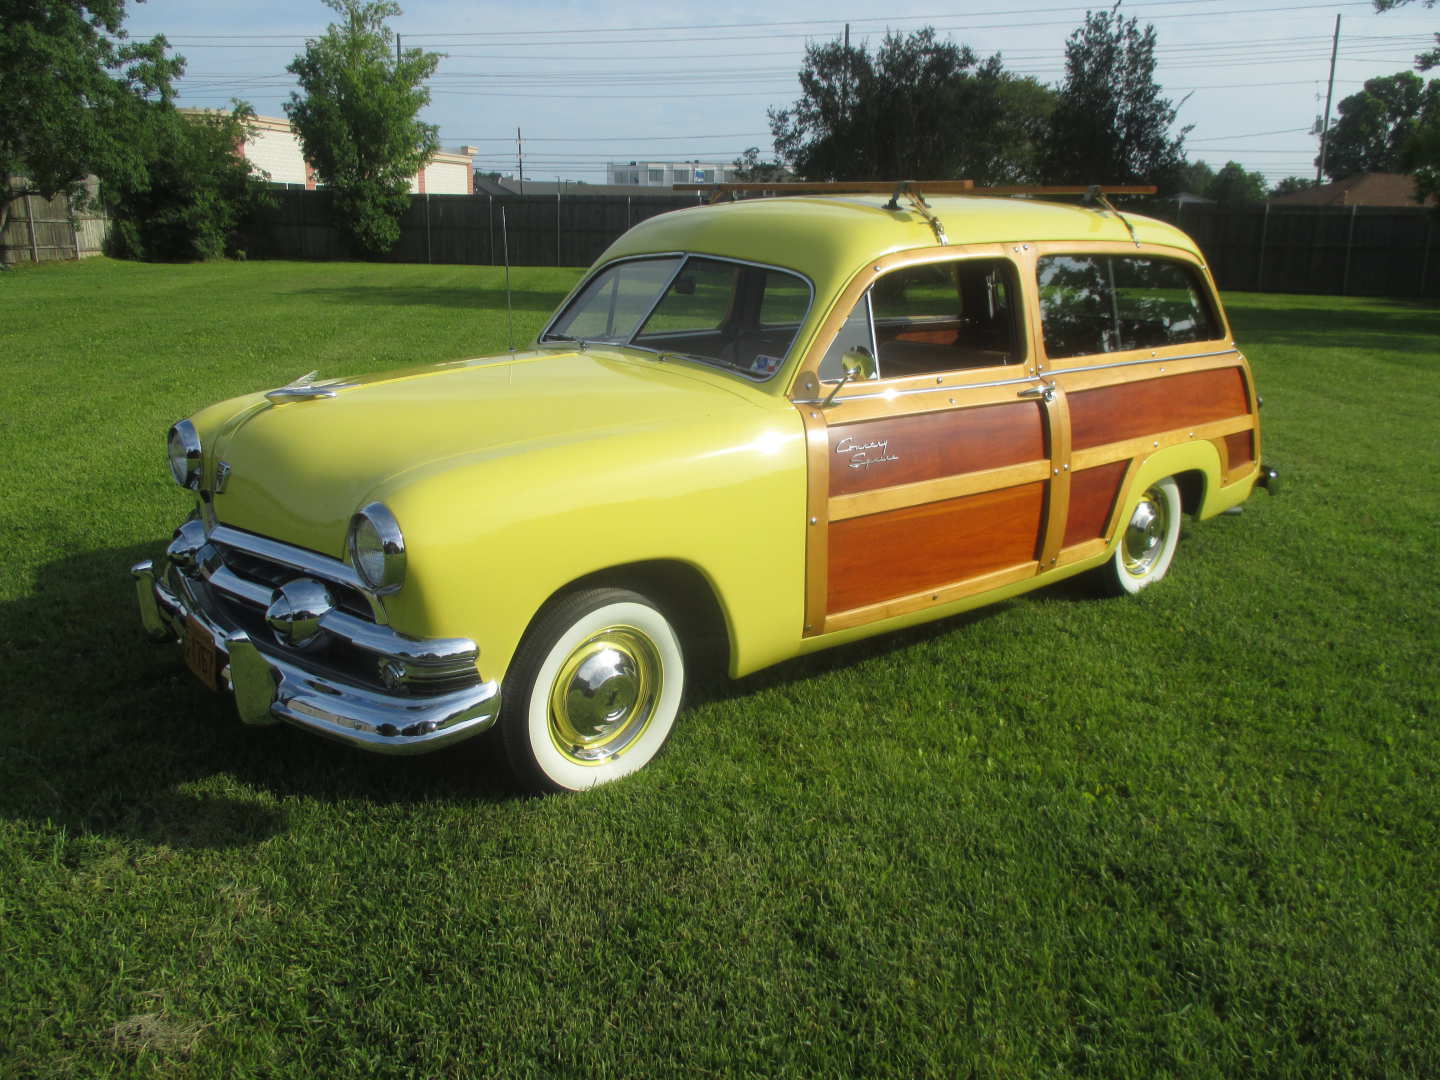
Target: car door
[[932, 476]]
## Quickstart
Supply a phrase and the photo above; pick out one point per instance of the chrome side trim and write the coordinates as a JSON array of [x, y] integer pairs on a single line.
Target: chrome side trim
[[892, 392], [1049, 372], [308, 562], [1053, 372]]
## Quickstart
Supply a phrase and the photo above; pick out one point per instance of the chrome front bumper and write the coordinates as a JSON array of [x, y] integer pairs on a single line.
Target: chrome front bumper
[[269, 687]]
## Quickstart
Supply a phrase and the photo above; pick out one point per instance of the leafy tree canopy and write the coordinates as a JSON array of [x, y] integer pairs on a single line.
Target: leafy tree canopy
[[195, 193], [78, 97], [749, 168], [73, 91], [917, 108], [1290, 185], [1375, 124], [1233, 185], [358, 119], [1420, 154], [1111, 125], [1196, 177]]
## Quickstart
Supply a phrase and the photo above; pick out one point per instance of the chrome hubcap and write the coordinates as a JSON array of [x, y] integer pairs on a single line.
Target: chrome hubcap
[[1144, 541], [604, 695]]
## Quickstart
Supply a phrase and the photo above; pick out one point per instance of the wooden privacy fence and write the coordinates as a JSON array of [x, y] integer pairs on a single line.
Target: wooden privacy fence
[[42, 230], [1338, 251], [542, 230], [1356, 251]]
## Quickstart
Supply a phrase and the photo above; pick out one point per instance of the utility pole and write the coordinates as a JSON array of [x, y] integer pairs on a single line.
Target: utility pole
[[845, 91], [1329, 93], [520, 156], [397, 50]]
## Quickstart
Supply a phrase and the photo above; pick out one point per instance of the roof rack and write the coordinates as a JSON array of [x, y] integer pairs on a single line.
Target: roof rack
[[911, 190], [914, 187]]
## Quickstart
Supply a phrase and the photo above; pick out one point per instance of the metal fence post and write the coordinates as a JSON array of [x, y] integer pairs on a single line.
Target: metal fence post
[[1264, 237], [557, 224], [428, 259], [1425, 255], [1349, 246]]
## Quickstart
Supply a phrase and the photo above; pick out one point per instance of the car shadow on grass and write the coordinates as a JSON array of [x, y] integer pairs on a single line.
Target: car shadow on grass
[[107, 733]]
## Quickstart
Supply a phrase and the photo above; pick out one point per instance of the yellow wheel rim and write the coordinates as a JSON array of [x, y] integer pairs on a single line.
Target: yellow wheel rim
[[604, 695]]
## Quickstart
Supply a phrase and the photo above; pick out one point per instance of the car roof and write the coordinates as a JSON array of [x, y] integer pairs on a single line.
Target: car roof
[[822, 235]]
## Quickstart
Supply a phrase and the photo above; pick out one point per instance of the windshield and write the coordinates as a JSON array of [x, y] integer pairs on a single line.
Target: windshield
[[733, 315]]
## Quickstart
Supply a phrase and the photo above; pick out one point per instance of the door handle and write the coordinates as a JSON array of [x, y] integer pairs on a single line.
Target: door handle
[[1044, 391]]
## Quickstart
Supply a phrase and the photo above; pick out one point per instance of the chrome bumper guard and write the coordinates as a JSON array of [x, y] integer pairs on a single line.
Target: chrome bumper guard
[[269, 688]]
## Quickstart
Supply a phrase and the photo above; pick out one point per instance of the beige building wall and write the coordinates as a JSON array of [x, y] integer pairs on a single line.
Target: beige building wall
[[447, 174], [275, 149]]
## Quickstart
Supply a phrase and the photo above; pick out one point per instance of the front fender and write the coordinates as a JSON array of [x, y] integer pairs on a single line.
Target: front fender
[[489, 541]]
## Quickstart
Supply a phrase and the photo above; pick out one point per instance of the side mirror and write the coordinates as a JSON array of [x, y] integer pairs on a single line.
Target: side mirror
[[685, 286], [858, 363]]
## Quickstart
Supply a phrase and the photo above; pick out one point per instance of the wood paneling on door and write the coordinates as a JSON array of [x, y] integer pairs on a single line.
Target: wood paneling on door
[[924, 446], [1092, 497], [1128, 410], [900, 552]]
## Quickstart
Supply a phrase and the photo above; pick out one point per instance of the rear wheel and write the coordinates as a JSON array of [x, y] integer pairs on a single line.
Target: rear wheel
[[1147, 540], [593, 691]]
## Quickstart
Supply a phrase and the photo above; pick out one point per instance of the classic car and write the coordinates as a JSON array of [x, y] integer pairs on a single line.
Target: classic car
[[755, 429]]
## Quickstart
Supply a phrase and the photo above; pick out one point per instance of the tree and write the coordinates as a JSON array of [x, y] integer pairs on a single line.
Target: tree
[[917, 108], [750, 169], [73, 93], [1420, 154], [195, 193], [1376, 123], [1196, 177], [1290, 185], [1234, 186], [358, 120], [1111, 124]]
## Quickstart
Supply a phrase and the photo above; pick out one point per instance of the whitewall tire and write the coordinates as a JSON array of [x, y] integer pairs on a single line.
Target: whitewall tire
[[1149, 533], [593, 691]]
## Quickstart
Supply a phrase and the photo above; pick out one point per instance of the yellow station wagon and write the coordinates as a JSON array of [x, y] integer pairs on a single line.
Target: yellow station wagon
[[760, 427]]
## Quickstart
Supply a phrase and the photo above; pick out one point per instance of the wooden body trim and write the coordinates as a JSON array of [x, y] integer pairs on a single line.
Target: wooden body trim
[[956, 491]]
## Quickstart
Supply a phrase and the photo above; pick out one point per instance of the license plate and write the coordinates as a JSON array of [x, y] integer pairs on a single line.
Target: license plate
[[201, 656]]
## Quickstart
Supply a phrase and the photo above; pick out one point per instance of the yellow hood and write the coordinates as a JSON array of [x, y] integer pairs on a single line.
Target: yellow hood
[[299, 469]]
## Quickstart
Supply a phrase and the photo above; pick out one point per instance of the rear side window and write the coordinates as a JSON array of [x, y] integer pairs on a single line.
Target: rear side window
[[1111, 303]]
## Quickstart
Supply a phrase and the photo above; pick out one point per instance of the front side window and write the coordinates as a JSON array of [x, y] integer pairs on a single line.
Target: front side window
[[1111, 303], [727, 314], [933, 317]]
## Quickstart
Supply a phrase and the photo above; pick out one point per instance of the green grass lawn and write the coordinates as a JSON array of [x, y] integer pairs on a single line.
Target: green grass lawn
[[1193, 833]]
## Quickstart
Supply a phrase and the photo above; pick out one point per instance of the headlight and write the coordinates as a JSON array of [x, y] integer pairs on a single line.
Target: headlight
[[183, 445], [377, 549]]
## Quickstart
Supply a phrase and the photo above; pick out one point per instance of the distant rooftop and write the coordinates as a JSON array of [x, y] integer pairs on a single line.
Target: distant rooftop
[[1362, 189]]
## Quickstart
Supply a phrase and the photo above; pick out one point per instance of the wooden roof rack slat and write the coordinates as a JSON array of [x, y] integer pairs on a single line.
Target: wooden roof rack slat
[[928, 187]]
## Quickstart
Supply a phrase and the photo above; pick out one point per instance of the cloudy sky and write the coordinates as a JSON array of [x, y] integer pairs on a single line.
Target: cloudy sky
[[589, 82]]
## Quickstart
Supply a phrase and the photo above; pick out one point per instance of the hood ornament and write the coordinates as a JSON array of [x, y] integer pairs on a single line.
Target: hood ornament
[[305, 388]]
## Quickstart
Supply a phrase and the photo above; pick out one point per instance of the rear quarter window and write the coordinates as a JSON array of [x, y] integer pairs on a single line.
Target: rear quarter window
[[1112, 303]]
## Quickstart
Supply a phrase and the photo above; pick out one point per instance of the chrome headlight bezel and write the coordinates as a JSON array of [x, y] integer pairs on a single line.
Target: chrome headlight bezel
[[376, 548], [182, 447]]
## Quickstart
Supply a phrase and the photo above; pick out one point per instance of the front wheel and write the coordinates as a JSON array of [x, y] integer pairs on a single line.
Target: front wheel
[[592, 692], [1147, 540]]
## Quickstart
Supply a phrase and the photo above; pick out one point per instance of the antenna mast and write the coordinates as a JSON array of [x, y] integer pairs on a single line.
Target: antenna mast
[[505, 244]]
